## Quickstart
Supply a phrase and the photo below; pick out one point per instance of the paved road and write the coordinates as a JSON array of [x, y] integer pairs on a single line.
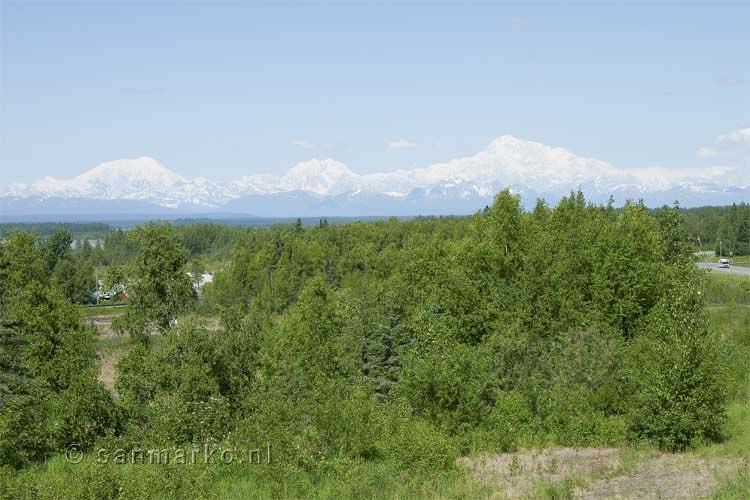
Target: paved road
[[742, 271]]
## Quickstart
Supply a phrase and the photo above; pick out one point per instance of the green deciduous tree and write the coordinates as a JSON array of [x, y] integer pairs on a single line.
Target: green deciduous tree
[[158, 286]]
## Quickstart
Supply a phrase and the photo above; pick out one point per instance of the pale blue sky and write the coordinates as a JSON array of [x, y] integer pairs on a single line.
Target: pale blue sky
[[227, 89]]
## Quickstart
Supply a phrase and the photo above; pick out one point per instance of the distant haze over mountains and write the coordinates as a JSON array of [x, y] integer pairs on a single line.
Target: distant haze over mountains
[[329, 187]]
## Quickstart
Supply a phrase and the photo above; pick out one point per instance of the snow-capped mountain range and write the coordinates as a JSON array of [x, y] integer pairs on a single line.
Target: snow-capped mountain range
[[329, 187]]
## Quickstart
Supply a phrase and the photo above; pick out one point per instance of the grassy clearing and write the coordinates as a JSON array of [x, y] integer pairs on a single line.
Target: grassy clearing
[[88, 311], [109, 350], [727, 290], [730, 318], [738, 488]]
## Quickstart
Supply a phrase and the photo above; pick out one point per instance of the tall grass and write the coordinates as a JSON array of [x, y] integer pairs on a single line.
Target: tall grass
[[729, 312], [361, 479], [725, 290]]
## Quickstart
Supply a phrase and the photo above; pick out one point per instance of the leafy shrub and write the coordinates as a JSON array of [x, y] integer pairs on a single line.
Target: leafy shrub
[[24, 436], [82, 413], [411, 442], [675, 377], [452, 387], [569, 416], [508, 423]]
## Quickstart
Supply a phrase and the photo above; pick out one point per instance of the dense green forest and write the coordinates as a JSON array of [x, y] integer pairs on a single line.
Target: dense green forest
[[730, 225], [394, 346], [215, 239]]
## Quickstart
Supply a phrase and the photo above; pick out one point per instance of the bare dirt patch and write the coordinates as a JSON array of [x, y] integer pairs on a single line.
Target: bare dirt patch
[[212, 324], [598, 473], [111, 348], [107, 372], [102, 323], [516, 474], [664, 476]]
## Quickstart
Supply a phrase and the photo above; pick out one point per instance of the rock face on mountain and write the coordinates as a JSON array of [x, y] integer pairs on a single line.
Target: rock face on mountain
[[329, 187]]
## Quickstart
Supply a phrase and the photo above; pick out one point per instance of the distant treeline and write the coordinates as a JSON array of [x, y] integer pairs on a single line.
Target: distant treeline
[[705, 226], [273, 221], [215, 239], [76, 229]]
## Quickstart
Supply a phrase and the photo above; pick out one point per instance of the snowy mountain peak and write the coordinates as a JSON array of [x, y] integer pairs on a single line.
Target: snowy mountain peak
[[144, 169], [138, 179], [527, 167], [322, 177], [509, 148], [512, 141]]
